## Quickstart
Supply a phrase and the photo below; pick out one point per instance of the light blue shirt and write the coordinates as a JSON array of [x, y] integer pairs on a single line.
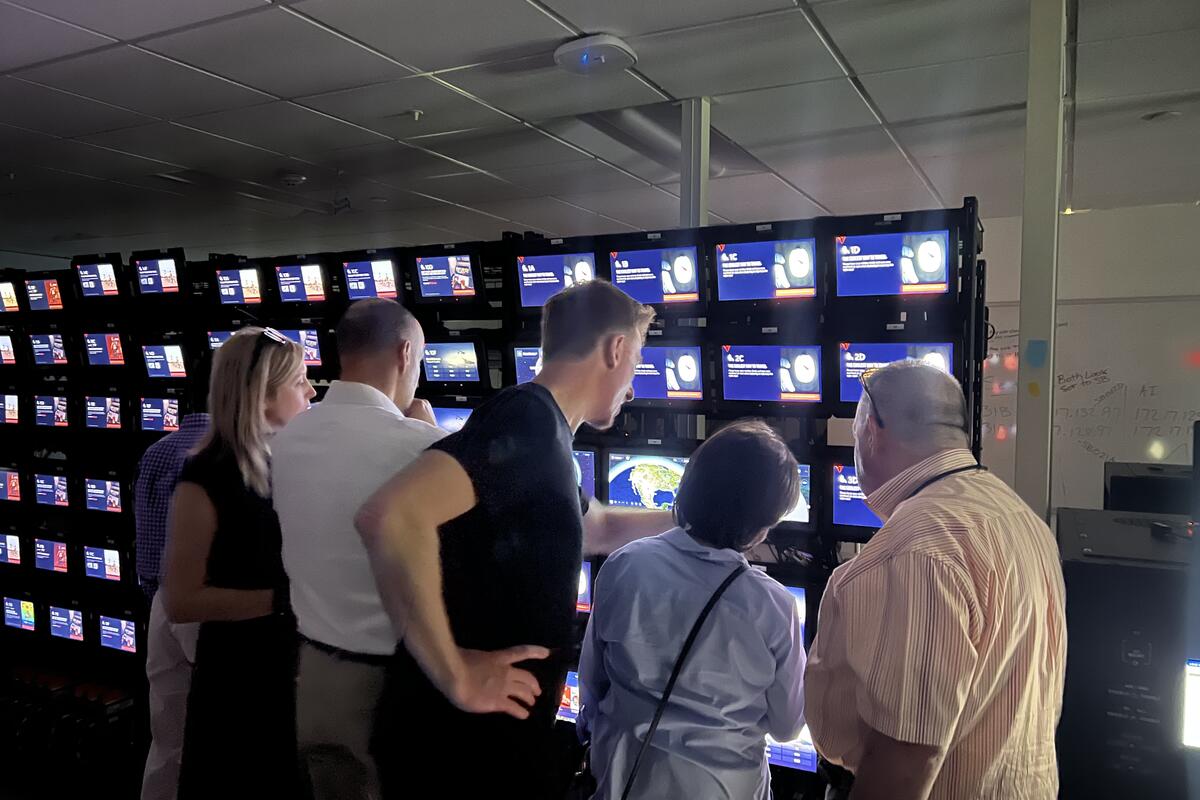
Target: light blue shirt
[[741, 682]]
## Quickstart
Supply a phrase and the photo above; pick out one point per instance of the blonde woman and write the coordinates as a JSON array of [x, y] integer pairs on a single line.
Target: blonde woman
[[225, 571]]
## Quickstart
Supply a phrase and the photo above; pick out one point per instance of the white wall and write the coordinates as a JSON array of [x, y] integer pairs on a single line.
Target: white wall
[[1129, 294]]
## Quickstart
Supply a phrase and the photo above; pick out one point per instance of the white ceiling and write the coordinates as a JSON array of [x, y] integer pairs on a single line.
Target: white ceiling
[[145, 123]]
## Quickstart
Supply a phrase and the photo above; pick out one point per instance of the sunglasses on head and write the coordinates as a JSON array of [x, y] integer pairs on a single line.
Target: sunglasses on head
[[267, 335], [863, 378]]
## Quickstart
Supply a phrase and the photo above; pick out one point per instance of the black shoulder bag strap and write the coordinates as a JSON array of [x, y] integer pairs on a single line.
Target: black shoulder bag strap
[[683, 654]]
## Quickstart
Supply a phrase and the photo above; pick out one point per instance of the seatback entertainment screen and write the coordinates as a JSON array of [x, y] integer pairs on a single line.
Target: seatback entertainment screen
[[766, 270], [857, 359], [66, 623], [157, 276], [644, 481], [50, 411], [585, 471], [800, 511], [104, 349], [48, 349], [528, 362], [118, 634], [164, 361], [451, 420], [893, 263], [771, 373], [849, 503], [160, 414], [301, 283], [370, 279], [658, 275], [445, 276], [237, 286], [669, 373], [44, 295], [542, 277], [451, 362], [97, 280], [103, 413], [8, 297]]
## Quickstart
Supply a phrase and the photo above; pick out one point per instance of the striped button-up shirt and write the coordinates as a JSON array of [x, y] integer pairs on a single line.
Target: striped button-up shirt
[[947, 630]]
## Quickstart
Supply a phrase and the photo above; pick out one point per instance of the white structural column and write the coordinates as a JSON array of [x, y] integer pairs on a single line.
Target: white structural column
[[1039, 250], [693, 168]]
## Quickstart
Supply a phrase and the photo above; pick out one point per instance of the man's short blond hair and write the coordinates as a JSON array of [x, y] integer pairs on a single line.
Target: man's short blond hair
[[578, 318]]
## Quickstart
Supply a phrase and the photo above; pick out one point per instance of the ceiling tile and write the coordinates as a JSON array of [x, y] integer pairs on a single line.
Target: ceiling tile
[[739, 56], [143, 82], [71, 156], [555, 218], [283, 127], [644, 208], [39, 108], [878, 35], [758, 198], [386, 107], [597, 141], [536, 89], [1159, 64], [469, 189], [436, 34], [128, 19], [835, 169], [775, 116], [1116, 19], [277, 52], [1121, 160], [570, 177], [390, 162], [27, 38], [949, 89], [635, 17], [982, 156], [510, 148]]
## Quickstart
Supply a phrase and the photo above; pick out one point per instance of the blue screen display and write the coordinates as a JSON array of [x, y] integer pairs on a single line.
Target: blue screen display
[[849, 502], [50, 411], [771, 373], [766, 270], [48, 349], [541, 277], [103, 413], [445, 276], [451, 362], [104, 349], [157, 276], [308, 339], [669, 373], [568, 708], [893, 263], [301, 283], [660, 275], [528, 361], [370, 279], [19, 614], [585, 471], [102, 495], [102, 563], [451, 420], [583, 602], [800, 512], [119, 634], [218, 338], [857, 358], [238, 286], [44, 295], [66, 623], [160, 414], [50, 555], [164, 361], [50, 490], [97, 280], [644, 481]]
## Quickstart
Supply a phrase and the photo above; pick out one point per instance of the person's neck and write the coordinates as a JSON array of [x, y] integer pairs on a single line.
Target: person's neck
[[569, 388], [371, 377], [903, 461]]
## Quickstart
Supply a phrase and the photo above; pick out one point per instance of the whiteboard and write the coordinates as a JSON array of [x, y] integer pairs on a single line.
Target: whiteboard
[[1127, 389]]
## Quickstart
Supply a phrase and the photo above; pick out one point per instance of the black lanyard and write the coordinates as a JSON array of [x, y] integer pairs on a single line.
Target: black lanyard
[[946, 474]]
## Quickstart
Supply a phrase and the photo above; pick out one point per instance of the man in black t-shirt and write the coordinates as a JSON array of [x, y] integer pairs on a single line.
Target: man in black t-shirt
[[476, 549]]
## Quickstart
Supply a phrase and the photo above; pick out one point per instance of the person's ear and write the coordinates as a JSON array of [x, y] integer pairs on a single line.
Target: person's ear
[[405, 352], [614, 348]]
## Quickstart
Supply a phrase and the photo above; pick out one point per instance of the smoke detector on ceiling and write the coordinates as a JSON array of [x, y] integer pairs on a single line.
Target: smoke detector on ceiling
[[591, 55]]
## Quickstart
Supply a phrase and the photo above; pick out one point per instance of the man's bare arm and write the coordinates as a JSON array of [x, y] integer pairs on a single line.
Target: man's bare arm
[[399, 525], [894, 770]]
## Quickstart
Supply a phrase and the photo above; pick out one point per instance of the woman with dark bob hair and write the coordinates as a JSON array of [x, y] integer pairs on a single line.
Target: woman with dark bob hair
[[741, 679]]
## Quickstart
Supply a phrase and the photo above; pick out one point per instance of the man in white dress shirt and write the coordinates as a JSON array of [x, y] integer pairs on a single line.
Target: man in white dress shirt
[[325, 464]]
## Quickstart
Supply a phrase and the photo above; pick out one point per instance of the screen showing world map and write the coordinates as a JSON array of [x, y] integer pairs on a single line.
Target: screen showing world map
[[644, 481]]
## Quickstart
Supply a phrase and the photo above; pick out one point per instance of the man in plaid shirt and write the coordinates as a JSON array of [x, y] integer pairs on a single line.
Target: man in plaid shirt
[[171, 648]]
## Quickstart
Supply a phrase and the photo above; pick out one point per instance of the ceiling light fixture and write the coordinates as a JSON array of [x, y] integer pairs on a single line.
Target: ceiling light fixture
[[593, 55]]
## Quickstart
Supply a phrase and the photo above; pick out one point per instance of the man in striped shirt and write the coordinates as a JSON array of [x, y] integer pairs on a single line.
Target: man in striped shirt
[[937, 670]]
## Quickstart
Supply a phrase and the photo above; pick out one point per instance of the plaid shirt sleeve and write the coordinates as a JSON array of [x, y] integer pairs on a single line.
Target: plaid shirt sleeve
[[158, 472]]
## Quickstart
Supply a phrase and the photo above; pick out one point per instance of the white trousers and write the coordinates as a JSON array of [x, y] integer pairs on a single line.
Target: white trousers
[[170, 654]]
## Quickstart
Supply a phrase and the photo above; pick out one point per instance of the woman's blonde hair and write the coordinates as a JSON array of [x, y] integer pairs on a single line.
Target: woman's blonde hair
[[247, 370]]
